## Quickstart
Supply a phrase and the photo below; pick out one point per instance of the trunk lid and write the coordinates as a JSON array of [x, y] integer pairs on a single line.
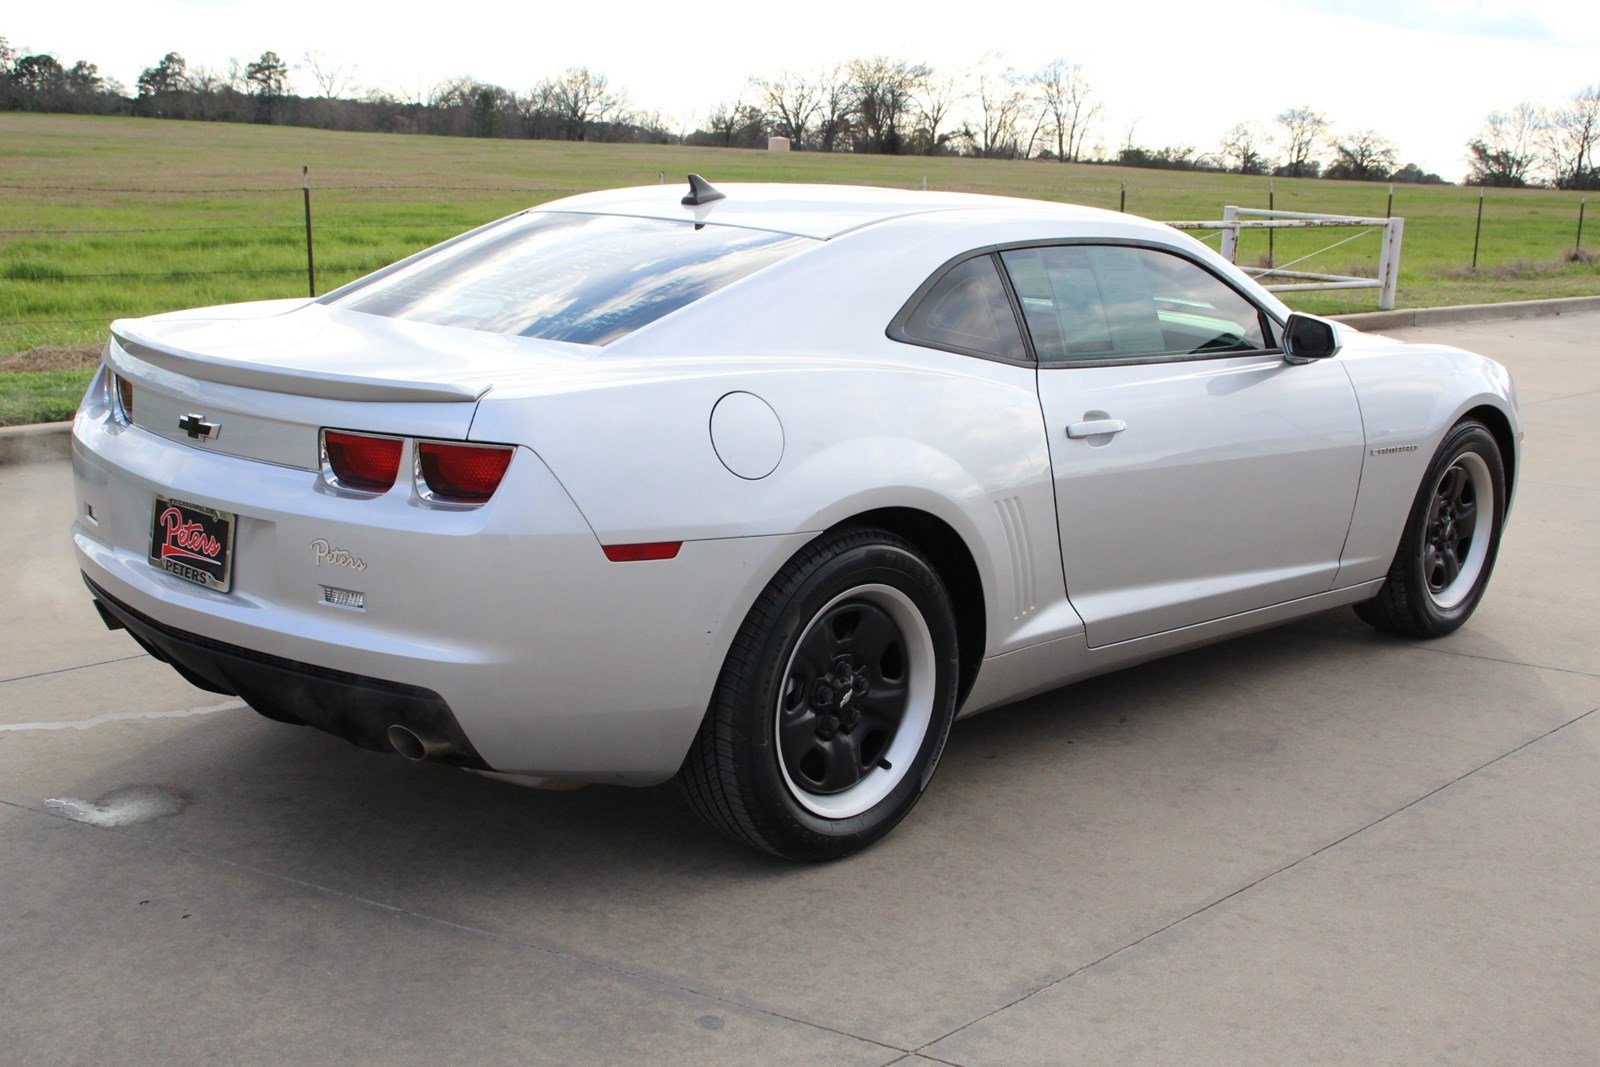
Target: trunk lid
[[269, 376]]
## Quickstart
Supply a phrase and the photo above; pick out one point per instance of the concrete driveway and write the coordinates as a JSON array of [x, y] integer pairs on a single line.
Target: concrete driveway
[[1314, 843]]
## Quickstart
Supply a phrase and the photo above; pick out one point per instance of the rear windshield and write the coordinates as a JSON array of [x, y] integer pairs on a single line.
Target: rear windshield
[[569, 277]]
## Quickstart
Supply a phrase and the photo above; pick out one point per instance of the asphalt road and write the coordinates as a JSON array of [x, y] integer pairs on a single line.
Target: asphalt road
[[1313, 843]]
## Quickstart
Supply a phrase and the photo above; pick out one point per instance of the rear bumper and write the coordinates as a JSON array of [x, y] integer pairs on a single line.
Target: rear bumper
[[358, 709], [554, 661]]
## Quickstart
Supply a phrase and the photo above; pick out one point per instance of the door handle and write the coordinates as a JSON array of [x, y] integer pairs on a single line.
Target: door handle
[[1096, 428]]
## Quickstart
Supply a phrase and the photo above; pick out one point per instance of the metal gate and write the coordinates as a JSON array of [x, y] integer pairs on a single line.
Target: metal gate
[[1235, 219]]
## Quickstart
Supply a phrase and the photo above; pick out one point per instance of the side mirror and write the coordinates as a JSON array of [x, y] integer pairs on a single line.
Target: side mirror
[[1307, 338]]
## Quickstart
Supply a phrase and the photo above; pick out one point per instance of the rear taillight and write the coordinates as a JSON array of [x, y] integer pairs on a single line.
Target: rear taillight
[[458, 473], [124, 397], [360, 461]]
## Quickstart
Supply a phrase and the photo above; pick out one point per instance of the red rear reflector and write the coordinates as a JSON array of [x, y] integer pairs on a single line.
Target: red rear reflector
[[646, 550], [124, 396], [462, 474], [361, 461]]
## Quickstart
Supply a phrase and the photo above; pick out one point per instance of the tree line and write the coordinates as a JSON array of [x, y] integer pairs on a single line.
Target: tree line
[[1539, 144], [869, 105]]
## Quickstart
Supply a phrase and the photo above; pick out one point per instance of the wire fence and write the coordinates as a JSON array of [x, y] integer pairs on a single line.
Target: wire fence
[[164, 247], [271, 189]]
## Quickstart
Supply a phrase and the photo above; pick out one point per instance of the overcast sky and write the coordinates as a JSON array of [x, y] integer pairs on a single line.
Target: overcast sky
[[1421, 72]]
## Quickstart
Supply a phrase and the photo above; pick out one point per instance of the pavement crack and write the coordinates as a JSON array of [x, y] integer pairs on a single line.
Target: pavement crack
[[592, 962], [1136, 942], [1407, 645], [78, 667], [1511, 662], [1564, 396], [1559, 485], [120, 716]]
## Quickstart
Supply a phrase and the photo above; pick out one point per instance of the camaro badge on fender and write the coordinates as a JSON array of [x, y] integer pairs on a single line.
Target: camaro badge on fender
[[336, 557]]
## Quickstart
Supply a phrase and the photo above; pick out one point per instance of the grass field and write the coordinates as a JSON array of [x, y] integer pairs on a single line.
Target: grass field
[[107, 217]]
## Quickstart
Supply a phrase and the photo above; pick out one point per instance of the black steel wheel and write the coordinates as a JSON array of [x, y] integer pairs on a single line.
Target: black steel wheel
[[1453, 548], [1451, 539], [855, 701], [834, 703]]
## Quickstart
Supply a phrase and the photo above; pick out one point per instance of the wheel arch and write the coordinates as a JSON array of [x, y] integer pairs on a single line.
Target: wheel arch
[[1499, 425], [947, 552]]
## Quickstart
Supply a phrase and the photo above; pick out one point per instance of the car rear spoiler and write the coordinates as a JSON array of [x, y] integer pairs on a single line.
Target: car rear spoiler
[[295, 381]]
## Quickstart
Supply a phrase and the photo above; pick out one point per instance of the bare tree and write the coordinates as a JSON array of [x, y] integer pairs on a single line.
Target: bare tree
[[1083, 112], [835, 111], [1051, 85], [1034, 118], [1245, 148], [333, 79], [207, 80], [210, 94], [653, 127], [1505, 150], [458, 91], [465, 107], [883, 92], [533, 108], [1361, 156], [581, 97], [1001, 101], [791, 103], [938, 96], [1572, 140], [1303, 130], [1067, 107], [736, 125]]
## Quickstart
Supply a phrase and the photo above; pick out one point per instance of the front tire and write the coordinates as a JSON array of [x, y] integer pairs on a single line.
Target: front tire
[[834, 703], [1451, 539]]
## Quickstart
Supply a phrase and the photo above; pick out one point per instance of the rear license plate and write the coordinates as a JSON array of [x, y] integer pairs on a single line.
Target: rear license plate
[[193, 542]]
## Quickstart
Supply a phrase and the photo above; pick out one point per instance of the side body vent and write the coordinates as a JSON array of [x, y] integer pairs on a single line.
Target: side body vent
[[1024, 589]]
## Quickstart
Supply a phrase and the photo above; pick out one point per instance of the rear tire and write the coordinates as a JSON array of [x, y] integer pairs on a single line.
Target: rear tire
[[1451, 539], [834, 703]]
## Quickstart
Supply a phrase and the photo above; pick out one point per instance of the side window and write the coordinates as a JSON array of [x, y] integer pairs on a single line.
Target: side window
[[968, 309], [1086, 302]]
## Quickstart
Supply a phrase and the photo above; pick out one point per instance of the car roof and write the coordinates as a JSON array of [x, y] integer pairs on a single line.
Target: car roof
[[819, 211]]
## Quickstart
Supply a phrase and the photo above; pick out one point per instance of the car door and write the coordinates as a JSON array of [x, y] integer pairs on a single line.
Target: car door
[[1198, 475]]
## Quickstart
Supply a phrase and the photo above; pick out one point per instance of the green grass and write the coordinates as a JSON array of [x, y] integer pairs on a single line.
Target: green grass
[[213, 197], [41, 395]]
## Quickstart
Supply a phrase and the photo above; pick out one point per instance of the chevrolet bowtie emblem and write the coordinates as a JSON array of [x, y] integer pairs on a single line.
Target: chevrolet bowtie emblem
[[197, 427]]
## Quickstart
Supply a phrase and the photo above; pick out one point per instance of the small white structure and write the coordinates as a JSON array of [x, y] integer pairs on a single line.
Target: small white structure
[[777, 144]]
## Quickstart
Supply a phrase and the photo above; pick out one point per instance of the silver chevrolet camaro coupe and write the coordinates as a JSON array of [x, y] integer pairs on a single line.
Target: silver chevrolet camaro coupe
[[761, 487]]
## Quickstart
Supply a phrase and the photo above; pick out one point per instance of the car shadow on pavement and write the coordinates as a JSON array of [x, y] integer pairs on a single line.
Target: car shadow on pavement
[[1056, 831], [297, 803]]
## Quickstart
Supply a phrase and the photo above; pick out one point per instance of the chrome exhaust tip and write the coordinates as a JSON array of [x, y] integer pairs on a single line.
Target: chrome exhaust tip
[[414, 747]]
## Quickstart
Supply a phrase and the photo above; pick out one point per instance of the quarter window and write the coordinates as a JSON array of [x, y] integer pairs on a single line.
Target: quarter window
[[968, 310], [1102, 302]]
